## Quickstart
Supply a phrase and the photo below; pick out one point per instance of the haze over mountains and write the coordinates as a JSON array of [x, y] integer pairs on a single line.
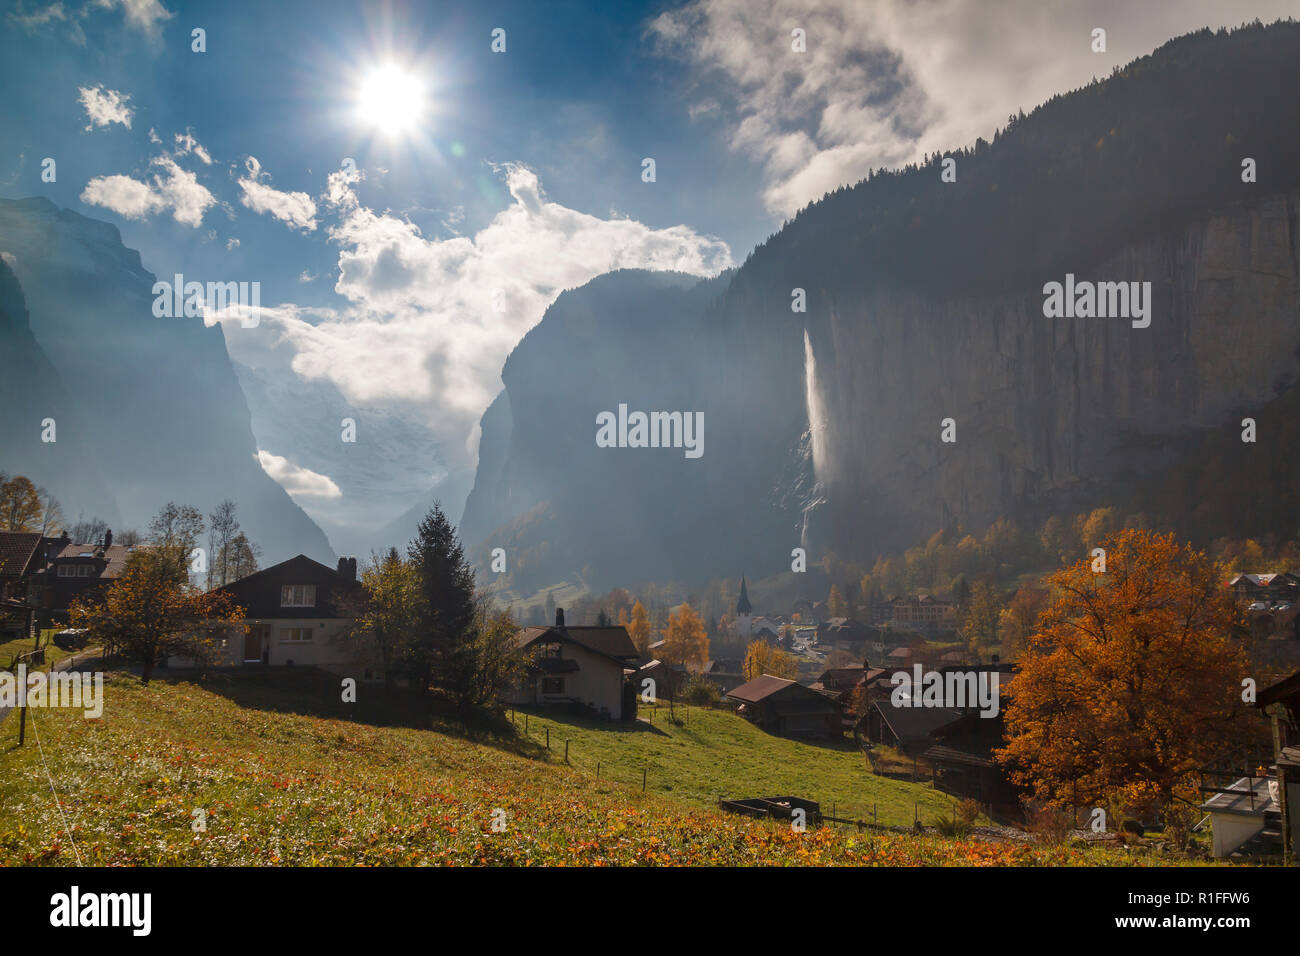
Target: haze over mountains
[[148, 410], [924, 302]]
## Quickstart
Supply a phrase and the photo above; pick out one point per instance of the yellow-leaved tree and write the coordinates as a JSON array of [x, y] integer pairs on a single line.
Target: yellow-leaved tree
[[685, 640], [763, 658], [638, 628]]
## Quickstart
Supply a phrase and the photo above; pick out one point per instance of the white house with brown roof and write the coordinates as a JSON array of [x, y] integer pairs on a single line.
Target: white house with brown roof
[[588, 668]]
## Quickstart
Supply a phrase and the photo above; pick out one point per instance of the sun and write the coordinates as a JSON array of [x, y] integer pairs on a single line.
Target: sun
[[392, 99]]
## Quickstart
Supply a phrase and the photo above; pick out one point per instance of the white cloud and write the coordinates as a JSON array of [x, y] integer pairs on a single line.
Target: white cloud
[[105, 107], [884, 83], [146, 16], [232, 243], [122, 194], [187, 144], [295, 208], [39, 17], [171, 188], [296, 480], [422, 331]]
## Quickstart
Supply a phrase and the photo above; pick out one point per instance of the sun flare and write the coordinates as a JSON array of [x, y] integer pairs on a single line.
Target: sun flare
[[391, 99]]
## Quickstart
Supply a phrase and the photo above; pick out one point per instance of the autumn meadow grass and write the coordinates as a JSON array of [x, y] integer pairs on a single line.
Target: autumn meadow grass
[[279, 784]]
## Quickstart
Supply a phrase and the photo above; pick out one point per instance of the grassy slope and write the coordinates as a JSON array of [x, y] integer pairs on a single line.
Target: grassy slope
[[9, 650], [719, 755], [291, 788]]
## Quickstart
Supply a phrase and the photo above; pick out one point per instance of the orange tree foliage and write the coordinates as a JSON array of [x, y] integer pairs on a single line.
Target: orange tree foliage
[[1133, 679], [638, 628], [149, 613]]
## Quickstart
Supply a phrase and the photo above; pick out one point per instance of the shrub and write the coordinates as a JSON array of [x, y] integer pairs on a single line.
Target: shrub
[[701, 692], [964, 815]]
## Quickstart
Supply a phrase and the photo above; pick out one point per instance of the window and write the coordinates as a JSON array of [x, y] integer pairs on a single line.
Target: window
[[552, 685], [298, 595], [75, 570], [294, 635]]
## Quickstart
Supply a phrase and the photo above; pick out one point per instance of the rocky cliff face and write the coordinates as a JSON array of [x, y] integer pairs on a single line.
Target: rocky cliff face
[[1051, 411], [1051, 414], [164, 417], [925, 302]]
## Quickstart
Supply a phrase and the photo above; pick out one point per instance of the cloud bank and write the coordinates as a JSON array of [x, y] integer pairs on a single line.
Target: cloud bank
[[883, 83]]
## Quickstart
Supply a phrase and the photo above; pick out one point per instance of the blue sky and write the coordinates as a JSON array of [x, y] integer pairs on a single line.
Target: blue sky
[[516, 175], [578, 97]]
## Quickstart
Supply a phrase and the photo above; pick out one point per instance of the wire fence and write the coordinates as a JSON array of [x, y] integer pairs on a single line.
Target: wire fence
[[643, 774]]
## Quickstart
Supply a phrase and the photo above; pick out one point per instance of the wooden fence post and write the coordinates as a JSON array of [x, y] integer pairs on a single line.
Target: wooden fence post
[[643, 781], [548, 738], [566, 749]]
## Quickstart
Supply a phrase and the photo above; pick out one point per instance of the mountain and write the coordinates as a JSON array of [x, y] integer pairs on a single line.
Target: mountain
[[925, 301], [560, 504], [159, 408], [392, 462], [31, 391]]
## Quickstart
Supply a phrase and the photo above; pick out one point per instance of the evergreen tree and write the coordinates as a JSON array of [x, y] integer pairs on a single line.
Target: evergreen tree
[[446, 606]]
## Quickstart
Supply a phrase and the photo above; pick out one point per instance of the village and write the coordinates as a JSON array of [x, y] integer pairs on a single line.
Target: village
[[889, 681]]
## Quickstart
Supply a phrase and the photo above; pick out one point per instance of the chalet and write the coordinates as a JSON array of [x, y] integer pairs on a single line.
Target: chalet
[[1274, 588], [590, 669], [22, 555], [839, 679], [668, 680], [905, 728], [295, 612], [786, 708], [961, 759], [77, 571], [842, 683], [922, 613]]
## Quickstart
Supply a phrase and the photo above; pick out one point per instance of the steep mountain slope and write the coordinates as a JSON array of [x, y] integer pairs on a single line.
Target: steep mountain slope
[[165, 418], [556, 501], [31, 391], [925, 301]]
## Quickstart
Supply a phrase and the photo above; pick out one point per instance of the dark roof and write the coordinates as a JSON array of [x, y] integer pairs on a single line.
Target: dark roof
[[16, 550], [760, 688], [916, 723], [115, 556], [259, 593], [611, 641], [767, 686], [1281, 692]]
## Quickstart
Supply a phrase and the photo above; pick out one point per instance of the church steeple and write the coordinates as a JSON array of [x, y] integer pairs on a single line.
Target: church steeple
[[743, 606]]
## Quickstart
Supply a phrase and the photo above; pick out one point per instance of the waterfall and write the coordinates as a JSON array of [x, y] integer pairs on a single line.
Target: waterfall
[[816, 413], [816, 436]]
